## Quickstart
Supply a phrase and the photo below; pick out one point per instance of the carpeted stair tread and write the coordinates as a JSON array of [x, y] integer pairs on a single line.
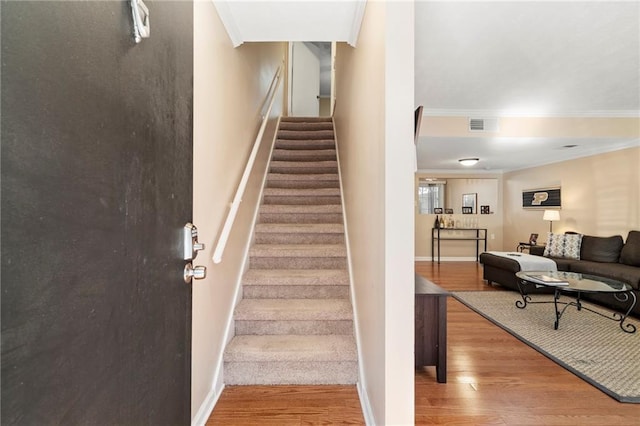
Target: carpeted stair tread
[[297, 180], [298, 250], [315, 167], [302, 144], [296, 277], [306, 155], [296, 292], [281, 348], [306, 228], [310, 208], [293, 309], [306, 125], [305, 134], [309, 192], [294, 119]]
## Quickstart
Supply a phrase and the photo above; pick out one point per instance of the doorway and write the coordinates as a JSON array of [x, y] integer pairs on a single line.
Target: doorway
[[310, 79]]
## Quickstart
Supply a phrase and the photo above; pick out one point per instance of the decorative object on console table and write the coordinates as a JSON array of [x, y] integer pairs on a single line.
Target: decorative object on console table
[[484, 210], [541, 198], [533, 239], [467, 210], [551, 215]]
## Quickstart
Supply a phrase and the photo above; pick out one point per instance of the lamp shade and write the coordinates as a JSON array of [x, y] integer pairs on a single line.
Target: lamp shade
[[551, 215]]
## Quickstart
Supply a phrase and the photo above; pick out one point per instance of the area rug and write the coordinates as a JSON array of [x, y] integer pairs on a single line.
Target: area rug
[[592, 347]]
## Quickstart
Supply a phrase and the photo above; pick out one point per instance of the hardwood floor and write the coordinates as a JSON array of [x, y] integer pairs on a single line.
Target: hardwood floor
[[493, 379]]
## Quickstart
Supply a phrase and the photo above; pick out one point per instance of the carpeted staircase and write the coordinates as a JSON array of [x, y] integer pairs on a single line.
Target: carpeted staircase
[[294, 324]]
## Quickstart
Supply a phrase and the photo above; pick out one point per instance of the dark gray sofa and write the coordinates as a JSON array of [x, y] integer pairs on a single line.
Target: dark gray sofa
[[604, 256]]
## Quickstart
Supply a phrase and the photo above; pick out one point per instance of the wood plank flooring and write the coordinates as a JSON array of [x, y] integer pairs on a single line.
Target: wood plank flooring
[[493, 379]]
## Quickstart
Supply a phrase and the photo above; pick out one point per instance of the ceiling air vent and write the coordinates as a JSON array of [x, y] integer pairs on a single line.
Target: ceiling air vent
[[483, 124]]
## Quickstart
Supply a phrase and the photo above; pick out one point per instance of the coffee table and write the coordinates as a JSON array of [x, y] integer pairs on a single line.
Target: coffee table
[[576, 284]]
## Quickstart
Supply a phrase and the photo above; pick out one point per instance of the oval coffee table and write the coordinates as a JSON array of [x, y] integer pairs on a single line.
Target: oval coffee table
[[575, 284]]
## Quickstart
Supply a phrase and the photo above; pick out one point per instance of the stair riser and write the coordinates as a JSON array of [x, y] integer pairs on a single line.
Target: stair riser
[[298, 238], [295, 292], [293, 327], [291, 373], [306, 200], [298, 262], [306, 126], [307, 157], [305, 134], [303, 170], [302, 184], [300, 218], [292, 144], [294, 119]]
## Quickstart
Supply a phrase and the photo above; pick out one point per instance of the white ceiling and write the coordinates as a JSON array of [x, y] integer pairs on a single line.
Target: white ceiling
[[544, 58], [488, 59], [286, 20]]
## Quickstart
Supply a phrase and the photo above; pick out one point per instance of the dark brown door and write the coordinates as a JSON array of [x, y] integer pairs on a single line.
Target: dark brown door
[[96, 184]]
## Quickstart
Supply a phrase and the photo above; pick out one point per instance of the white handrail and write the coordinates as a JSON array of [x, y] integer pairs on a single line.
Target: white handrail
[[226, 229]]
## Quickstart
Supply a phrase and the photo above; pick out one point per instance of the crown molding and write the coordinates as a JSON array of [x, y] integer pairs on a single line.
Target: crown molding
[[437, 112], [229, 21], [358, 15]]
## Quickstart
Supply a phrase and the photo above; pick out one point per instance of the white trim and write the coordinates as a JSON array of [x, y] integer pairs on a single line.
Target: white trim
[[462, 172], [205, 410], [364, 398], [358, 16], [444, 112], [367, 413], [445, 259], [229, 22]]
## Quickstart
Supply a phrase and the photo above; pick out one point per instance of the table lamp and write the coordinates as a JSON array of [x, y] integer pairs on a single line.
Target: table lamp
[[551, 215]]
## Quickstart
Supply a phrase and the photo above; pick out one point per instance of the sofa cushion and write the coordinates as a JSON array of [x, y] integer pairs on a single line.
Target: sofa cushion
[[601, 249], [630, 254], [617, 271]]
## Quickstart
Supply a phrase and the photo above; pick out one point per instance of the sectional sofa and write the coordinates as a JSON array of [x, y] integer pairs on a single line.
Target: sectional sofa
[[610, 257]]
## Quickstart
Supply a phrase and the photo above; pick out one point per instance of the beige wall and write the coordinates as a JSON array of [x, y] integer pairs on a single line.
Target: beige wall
[[229, 89], [374, 119], [489, 190], [600, 196]]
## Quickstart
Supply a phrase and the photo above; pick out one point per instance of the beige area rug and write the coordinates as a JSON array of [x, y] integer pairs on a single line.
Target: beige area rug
[[592, 347]]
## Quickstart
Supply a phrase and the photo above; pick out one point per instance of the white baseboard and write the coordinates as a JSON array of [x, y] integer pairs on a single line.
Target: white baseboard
[[205, 410], [445, 259], [369, 420]]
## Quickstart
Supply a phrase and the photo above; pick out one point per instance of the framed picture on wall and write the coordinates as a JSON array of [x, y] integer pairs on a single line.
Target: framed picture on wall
[[448, 211], [437, 210], [467, 210], [484, 210], [469, 200]]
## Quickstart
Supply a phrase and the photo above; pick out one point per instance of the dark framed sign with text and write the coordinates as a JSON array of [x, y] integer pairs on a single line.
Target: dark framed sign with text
[[542, 198]]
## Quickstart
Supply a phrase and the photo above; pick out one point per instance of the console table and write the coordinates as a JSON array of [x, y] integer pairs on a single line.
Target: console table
[[480, 234], [431, 327]]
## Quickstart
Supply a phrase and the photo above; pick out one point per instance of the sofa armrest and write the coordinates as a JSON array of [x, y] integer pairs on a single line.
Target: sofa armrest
[[536, 250]]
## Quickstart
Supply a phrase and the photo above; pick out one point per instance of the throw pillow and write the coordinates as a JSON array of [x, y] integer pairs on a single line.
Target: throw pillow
[[630, 254], [572, 243], [601, 249], [555, 245]]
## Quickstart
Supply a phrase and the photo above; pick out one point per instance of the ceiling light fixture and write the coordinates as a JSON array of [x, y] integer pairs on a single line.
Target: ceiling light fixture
[[468, 161]]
